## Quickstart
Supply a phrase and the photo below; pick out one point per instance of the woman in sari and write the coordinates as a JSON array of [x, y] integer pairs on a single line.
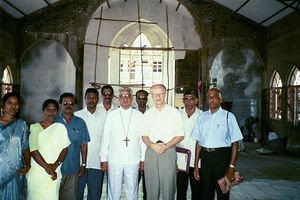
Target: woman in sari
[[48, 143], [14, 151]]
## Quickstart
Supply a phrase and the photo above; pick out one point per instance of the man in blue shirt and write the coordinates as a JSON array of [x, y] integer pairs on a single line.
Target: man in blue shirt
[[79, 136], [217, 134]]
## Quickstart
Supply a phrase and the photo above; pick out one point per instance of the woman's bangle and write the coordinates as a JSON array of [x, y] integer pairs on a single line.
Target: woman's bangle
[[58, 162], [232, 166]]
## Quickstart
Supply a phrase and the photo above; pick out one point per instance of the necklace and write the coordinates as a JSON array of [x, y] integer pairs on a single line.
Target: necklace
[[126, 132]]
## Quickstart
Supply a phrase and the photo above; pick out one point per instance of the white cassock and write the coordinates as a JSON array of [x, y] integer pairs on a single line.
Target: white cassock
[[123, 149]]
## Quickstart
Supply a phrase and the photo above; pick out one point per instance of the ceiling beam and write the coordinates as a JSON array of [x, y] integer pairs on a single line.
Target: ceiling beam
[[140, 48], [279, 11], [177, 6], [47, 2], [108, 5], [123, 20], [290, 5], [14, 7], [241, 6]]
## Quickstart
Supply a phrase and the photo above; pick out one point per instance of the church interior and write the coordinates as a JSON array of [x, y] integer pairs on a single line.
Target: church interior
[[249, 49]]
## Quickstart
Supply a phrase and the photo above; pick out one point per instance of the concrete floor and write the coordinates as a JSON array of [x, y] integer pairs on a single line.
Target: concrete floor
[[267, 176]]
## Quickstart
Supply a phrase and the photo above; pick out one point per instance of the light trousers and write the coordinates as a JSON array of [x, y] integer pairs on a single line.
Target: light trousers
[[116, 174], [160, 174]]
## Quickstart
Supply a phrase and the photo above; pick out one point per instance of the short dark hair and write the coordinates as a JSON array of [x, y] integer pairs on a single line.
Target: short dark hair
[[142, 91], [50, 101], [107, 87], [91, 90], [66, 95], [10, 94], [190, 92]]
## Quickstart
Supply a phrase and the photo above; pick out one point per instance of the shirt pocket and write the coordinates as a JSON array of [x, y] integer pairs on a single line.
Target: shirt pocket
[[221, 128], [75, 136]]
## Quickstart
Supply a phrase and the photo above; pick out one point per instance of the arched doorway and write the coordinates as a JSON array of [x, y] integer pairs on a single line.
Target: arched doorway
[[114, 34]]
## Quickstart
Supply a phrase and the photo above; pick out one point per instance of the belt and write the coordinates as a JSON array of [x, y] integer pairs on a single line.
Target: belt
[[215, 149]]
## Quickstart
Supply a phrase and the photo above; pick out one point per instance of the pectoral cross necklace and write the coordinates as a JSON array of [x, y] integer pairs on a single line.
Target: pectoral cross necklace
[[126, 132]]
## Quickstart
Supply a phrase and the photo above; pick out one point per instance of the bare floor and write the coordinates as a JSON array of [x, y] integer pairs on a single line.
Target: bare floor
[[267, 176]]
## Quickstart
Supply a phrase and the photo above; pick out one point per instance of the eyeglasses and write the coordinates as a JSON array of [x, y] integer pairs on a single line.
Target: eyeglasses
[[123, 96], [68, 102], [107, 94]]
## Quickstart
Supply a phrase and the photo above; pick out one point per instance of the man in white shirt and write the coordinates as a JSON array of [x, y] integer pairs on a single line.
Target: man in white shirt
[[94, 120], [122, 151], [107, 94], [217, 134], [161, 130], [189, 114]]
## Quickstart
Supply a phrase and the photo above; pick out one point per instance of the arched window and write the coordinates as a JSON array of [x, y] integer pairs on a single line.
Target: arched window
[[7, 81], [293, 109], [276, 96], [136, 68]]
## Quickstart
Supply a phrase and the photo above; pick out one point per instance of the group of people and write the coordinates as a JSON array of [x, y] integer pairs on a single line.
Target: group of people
[[65, 153]]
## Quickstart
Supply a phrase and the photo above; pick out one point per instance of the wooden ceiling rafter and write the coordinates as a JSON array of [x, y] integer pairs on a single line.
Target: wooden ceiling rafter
[[122, 20]]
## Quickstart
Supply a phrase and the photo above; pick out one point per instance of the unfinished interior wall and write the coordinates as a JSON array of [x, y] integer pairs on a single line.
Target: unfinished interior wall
[[47, 71], [282, 53]]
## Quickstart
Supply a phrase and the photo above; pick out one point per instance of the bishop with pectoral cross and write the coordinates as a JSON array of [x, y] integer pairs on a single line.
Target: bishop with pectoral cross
[[122, 149]]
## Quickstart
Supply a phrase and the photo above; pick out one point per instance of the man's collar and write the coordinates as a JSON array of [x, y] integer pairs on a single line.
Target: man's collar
[[196, 110], [165, 105], [122, 109], [219, 110]]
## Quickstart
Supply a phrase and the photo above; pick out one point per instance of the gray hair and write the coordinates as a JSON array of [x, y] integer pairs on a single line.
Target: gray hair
[[125, 88]]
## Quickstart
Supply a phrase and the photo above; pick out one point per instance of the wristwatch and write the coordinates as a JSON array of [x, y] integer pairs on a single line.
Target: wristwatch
[[83, 164], [166, 146]]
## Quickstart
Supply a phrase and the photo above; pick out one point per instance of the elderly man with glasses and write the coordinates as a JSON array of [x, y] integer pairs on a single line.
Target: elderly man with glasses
[[122, 150], [79, 136]]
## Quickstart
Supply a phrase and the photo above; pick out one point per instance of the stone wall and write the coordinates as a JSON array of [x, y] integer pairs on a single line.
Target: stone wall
[[8, 45], [282, 52]]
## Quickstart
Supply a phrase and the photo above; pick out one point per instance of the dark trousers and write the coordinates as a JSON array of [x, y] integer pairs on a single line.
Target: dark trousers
[[94, 180], [68, 187], [183, 182], [213, 167], [142, 176]]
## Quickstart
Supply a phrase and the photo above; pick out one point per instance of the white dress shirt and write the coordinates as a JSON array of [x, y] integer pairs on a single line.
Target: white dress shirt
[[95, 124], [188, 124], [119, 124], [102, 108], [215, 130], [162, 125]]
